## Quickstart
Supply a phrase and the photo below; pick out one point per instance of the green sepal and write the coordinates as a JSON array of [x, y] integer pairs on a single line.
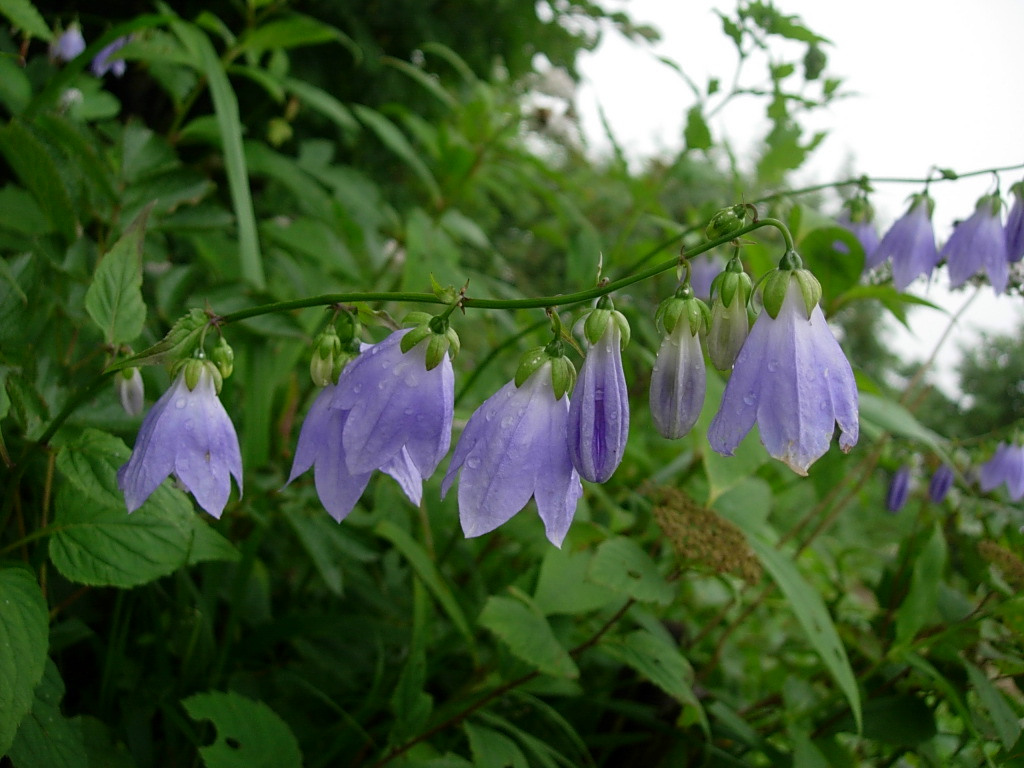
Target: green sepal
[[193, 370], [563, 372], [223, 357], [415, 336], [674, 309], [447, 295], [327, 350], [454, 342], [732, 283], [563, 376], [810, 288], [726, 221], [624, 332], [774, 289], [1017, 189], [596, 324], [993, 201], [924, 198], [437, 348], [531, 360], [416, 318], [179, 343]]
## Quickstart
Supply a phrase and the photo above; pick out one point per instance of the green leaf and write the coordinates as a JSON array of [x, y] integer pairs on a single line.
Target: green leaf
[[15, 87], [23, 15], [493, 749], [1005, 720], [662, 663], [620, 564], [295, 31], [249, 733], [226, 107], [114, 299], [46, 737], [814, 618], [725, 472], [38, 171], [179, 343], [890, 298], [430, 253], [427, 571], [95, 541], [563, 587], [24, 634], [425, 79], [919, 605], [411, 704], [324, 103], [879, 415], [835, 270], [523, 628], [395, 140], [697, 134]]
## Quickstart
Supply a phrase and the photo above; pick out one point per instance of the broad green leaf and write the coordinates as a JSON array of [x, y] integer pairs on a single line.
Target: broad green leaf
[[424, 79], [919, 605], [950, 690], [493, 749], [249, 733], [46, 737], [662, 663], [95, 541], [879, 414], [805, 753], [38, 171], [24, 632], [697, 134], [896, 302], [430, 253], [426, 570], [114, 299], [620, 564], [179, 343], [324, 103], [392, 138], [814, 618], [15, 87], [1005, 720], [528, 635], [540, 750], [837, 271], [23, 15], [316, 534], [226, 107], [295, 31], [563, 587]]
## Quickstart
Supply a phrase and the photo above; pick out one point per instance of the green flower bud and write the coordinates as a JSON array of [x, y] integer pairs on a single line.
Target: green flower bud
[[732, 284], [596, 323], [327, 352], [224, 357], [675, 308], [726, 221], [194, 367], [775, 285]]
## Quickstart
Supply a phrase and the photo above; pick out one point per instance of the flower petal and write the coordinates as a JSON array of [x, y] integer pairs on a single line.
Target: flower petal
[[152, 458]]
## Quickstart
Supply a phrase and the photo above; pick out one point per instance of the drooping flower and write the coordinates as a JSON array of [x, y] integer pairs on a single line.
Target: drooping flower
[[729, 322], [189, 434], [1005, 466], [102, 63], [68, 45], [941, 482], [599, 410], [857, 216], [515, 446], [395, 402], [910, 244], [1015, 225], [791, 377], [899, 489], [977, 244], [679, 378], [130, 390], [321, 446]]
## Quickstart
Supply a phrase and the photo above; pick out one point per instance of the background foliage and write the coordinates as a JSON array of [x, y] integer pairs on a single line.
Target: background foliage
[[703, 610]]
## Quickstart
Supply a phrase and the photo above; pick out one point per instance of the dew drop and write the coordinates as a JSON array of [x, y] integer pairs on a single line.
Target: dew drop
[[179, 403], [189, 425], [773, 365], [473, 462], [409, 411], [357, 388], [507, 422], [489, 416], [750, 398], [412, 381], [380, 385]]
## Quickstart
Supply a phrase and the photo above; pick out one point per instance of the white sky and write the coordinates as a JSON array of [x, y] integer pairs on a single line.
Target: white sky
[[937, 84]]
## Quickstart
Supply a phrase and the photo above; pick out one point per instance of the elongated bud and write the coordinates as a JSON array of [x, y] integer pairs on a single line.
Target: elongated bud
[[130, 390], [327, 351], [730, 292], [726, 221], [683, 306], [223, 357], [194, 368], [596, 321]]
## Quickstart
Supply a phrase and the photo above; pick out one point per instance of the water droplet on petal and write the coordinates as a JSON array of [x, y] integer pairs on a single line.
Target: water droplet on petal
[[773, 366], [189, 425], [179, 403], [357, 388], [750, 398], [473, 462], [380, 385], [507, 422], [412, 380], [409, 411]]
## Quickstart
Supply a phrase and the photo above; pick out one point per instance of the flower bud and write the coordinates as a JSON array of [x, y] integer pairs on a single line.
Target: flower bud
[[327, 352], [563, 372], [726, 221], [130, 390], [730, 324], [193, 370], [940, 483], [899, 489], [223, 357]]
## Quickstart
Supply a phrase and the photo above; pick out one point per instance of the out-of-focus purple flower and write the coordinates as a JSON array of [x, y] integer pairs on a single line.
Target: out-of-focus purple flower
[[130, 390], [321, 447], [103, 63], [393, 403], [679, 378], [899, 489], [703, 271], [516, 446], [910, 244], [792, 378], [68, 45], [941, 482], [979, 243], [1005, 466], [187, 433], [857, 217], [599, 412], [1015, 224]]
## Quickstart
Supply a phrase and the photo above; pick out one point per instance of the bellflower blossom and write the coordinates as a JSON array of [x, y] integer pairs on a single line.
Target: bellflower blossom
[[729, 326], [599, 410], [1005, 466], [321, 446], [130, 390], [979, 243], [899, 489], [941, 482], [679, 378], [791, 377], [910, 244], [103, 64], [68, 45], [516, 446], [393, 403], [1015, 224], [187, 433]]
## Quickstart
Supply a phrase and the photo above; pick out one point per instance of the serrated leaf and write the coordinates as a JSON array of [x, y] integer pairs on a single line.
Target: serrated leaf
[[493, 749], [919, 605], [528, 635], [814, 618], [1004, 719], [620, 564], [24, 632], [249, 733], [46, 737], [38, 171], [23, 15], [562, 586], [114, 299], [179, 343]]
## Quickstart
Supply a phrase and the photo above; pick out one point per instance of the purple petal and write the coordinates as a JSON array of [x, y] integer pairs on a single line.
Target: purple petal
[[152, 459], [978, 244], [899, 489], [1015, 229], [910, 244], [678, 382]]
